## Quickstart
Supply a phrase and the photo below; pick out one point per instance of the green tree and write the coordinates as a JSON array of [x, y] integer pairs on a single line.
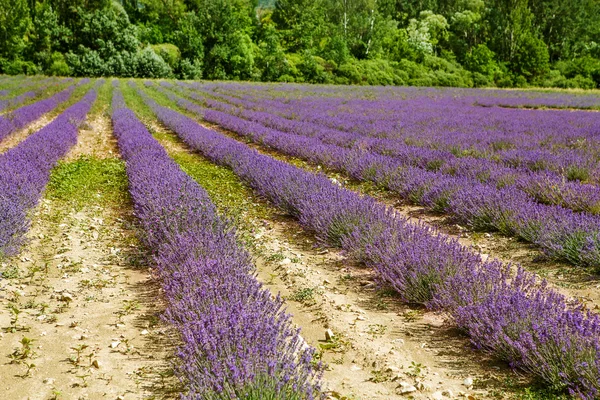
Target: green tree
[[482, 60], [48, 38], [425, 33], [301, 23], [15, 21], [531, 57], [271, 60]]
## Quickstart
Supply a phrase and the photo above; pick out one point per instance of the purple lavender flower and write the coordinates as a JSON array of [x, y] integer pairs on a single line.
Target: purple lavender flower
[[511, 315]]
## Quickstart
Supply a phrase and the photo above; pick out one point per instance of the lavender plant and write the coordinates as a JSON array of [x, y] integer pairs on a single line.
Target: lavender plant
[[561, 233], [20, 117]]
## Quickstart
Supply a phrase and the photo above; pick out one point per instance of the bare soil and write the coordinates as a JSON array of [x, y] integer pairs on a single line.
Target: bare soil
[[95, 139], [18, 136]]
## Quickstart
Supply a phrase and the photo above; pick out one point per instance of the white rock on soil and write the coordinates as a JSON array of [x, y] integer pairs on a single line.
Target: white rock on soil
[[405, 388], [468, 382], [329, 336], [66, 296], [436, 396], [392, 368]]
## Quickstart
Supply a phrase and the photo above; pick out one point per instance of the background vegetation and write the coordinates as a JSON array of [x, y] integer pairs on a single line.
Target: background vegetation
[[505, 43]]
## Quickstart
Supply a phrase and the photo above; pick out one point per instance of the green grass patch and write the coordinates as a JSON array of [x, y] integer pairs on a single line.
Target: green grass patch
[[89, 181], [135, 102], [102, 102], [222, 185]]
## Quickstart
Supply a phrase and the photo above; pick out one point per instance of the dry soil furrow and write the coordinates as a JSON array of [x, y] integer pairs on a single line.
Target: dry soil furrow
[[95, 139], [18, 136]]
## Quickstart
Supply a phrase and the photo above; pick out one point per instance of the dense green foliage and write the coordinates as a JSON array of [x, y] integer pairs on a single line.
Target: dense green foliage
[[502, 43]]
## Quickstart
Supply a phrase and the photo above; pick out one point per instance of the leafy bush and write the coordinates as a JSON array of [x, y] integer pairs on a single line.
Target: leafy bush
[[190, 69], [313, 69], [587, 68], [232, 59], [151, 65], [532, 58], [169, 53], [58, 66], [481, 60], [20, 67], [480, 80]]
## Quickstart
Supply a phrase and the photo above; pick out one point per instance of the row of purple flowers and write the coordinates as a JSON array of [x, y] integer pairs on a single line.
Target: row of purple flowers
[[237, 340], [565, 142], [22, 116], [559, 232], [543, 186]]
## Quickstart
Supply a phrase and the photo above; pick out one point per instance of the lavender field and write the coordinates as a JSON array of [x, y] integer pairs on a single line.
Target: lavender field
[[207, 240]]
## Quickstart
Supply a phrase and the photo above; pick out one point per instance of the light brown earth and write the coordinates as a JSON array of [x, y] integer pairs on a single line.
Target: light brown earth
[[95, 139], [18, 136]]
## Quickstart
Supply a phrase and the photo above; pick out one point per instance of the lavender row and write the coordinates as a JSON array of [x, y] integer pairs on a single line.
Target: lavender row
[[469, 96], [21, 117], [15, 101], [17, 85], [559, 232], [26, 171], [560, 141], [516, 318], [238, 341], [544, 187]]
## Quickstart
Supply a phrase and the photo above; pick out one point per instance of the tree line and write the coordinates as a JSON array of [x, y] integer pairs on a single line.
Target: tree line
[[468, 43]]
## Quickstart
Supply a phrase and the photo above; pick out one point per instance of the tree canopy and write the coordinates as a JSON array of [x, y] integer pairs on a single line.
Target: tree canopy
[[420, 42]]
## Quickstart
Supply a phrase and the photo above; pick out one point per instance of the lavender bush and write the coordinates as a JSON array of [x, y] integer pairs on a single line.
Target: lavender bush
[[20, 117], [237, 340], [543, 186], [16, 100], [446, 120]]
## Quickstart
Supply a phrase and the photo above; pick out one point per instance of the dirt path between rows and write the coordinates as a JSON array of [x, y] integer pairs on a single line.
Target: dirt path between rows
[[95, 139], [78, 307], [18, 136]]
